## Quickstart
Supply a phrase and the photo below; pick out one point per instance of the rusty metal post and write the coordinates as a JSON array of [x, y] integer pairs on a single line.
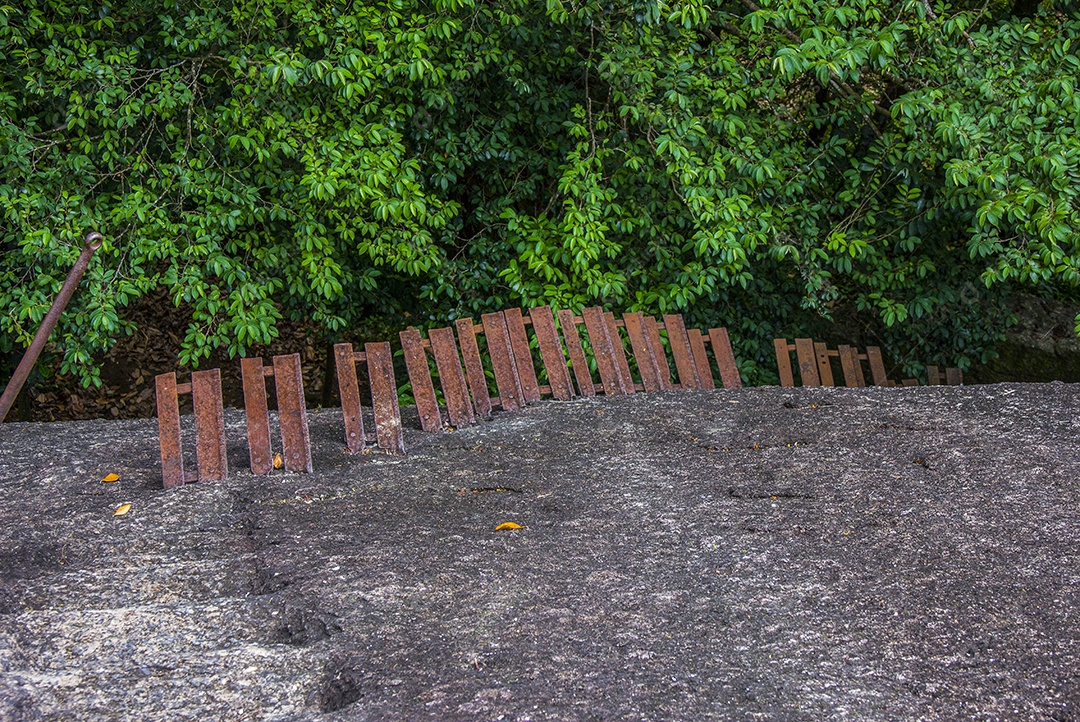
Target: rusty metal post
[[15, 384]]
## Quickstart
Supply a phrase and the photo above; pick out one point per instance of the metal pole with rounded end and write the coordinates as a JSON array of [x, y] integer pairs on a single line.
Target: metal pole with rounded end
[[15, 384]]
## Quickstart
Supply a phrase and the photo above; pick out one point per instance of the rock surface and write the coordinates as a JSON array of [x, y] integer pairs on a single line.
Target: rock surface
[[753, 554]]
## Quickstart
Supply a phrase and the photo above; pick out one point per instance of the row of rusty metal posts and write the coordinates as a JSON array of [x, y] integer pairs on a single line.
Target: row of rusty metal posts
[[295, 456], [814, 362], [463, 380], [465, 390]]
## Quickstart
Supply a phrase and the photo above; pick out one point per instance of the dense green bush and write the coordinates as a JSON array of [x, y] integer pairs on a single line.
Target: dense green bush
[[765, 167]]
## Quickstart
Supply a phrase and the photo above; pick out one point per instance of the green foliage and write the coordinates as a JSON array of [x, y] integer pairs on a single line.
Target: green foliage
[[764, 167]]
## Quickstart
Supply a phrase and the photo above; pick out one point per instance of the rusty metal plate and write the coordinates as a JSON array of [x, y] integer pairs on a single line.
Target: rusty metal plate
[[551, 353], [849, 362], [292, 413], [349, 392], [725, 358], [680, 349], [258, 420], [783, 361], [209, 425], [824, 364], [954, 377], [644, 354], [618, 353], [652, 333], [701, 358], [933, 376], [384, 401], [582, 375], [859, 376], [603, 351], [474, 367], [910, 382], [502, 361], [451, 378], [168, 413], [808, 370], [416, 364], [523, 361], [877, 366]]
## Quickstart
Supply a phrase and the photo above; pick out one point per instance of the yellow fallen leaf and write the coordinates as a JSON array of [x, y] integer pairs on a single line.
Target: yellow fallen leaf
[[507, 525], [122, 509], [277, 461], [111, 477]]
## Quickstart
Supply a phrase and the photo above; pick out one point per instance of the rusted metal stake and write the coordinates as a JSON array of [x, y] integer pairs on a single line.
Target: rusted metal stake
[[15, 384], [210, 458]]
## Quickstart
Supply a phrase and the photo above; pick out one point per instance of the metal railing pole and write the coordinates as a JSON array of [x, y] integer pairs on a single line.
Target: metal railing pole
[[15, 384]]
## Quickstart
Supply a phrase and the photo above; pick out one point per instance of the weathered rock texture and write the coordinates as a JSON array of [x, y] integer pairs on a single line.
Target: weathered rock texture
[[753, 554]]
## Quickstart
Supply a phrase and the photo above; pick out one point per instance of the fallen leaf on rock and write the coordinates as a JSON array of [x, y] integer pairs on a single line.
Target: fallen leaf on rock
[[122, 509], [507, 525], [111, 477], [277, 461]]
